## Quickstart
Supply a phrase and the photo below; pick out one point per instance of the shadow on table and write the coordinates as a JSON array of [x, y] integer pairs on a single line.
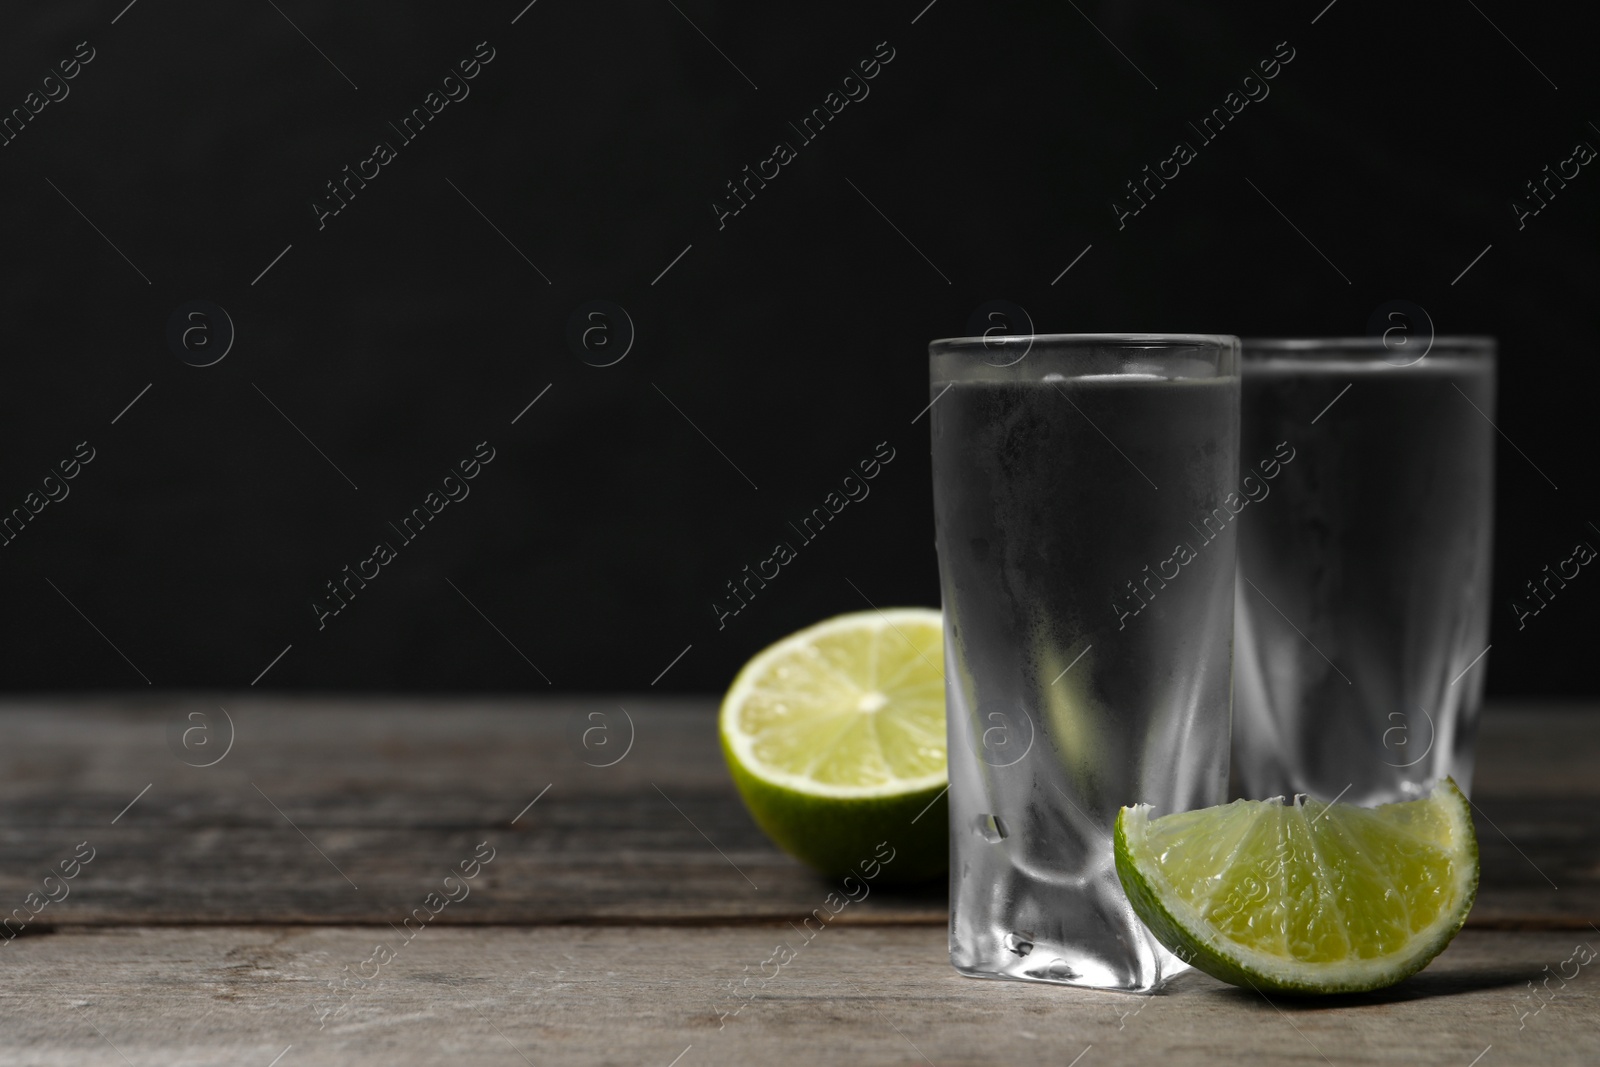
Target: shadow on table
[[1422, 986], [923, 901]]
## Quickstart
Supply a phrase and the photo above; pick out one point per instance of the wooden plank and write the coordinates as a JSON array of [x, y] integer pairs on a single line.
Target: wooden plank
[[319, 797], [390, 794], [865, 996], [1538, 749]]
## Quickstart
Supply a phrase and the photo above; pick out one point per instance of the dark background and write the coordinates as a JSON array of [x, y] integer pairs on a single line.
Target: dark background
[[408, 330]]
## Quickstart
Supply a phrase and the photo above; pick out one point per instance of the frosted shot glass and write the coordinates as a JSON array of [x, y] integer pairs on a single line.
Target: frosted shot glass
[[1086, 562], [1363, 597]]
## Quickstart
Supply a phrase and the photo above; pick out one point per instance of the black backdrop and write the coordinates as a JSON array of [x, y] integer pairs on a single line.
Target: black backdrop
[[772, 349]]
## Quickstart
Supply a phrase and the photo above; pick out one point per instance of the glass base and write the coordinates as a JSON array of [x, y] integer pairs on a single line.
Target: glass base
[[1144, 970]]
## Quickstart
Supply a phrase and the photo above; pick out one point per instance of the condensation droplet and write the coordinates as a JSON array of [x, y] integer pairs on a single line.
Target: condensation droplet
[[991, 829], [1059, 971], [1018, 943]]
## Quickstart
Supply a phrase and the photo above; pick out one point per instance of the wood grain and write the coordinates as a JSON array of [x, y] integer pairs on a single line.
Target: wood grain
[[319, 796], [863, 996], [622, 911]]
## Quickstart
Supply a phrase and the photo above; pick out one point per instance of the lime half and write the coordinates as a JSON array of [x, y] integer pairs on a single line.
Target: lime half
[[1304, 897], [835, 738]]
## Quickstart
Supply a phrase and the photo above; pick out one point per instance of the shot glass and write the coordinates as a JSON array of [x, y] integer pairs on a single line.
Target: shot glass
[[1363, 594], [1086, 561]]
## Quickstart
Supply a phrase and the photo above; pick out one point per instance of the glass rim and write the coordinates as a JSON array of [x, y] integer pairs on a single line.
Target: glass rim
[[1255, 347], [1085, 340]]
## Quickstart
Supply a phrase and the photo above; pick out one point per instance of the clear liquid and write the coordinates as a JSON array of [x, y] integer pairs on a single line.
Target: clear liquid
[[1375, 544], [1063, 704]]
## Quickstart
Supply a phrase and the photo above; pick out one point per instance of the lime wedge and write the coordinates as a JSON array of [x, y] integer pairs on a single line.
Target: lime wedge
[[835, 738], [1303, 897]]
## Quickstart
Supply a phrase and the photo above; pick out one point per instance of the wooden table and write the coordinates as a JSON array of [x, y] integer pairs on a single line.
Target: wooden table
[[623, 905]]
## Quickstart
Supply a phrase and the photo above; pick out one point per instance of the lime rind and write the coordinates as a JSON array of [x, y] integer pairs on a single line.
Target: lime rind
[[836, 838], [1304, 920]]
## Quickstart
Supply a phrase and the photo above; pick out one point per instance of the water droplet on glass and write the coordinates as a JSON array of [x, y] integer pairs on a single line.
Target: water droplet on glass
[[1059, 971], [991, 829]]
